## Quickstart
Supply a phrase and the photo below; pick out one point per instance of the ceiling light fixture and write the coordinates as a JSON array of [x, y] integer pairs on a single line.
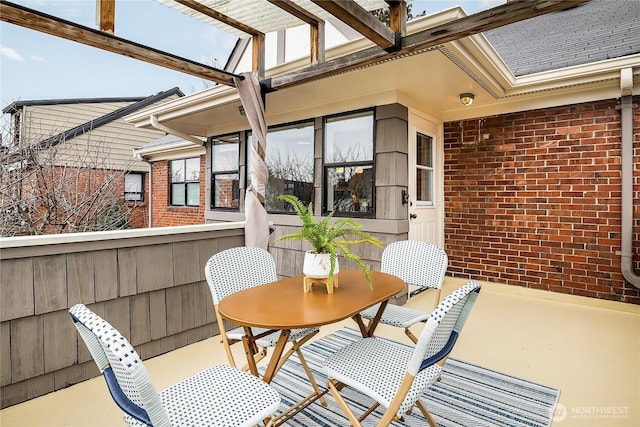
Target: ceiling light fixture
[[467, 98]]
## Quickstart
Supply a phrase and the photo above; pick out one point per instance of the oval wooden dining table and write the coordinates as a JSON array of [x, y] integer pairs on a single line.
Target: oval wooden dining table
[[283, 305]]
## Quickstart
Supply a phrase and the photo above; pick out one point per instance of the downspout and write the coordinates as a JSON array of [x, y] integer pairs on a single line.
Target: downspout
[[137, 156], [626, 107], [150, 201], [156, 124]]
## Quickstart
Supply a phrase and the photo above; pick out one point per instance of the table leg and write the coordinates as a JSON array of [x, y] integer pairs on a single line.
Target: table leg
[[367, 332], [374, 323], [275, 357], [250, 349]]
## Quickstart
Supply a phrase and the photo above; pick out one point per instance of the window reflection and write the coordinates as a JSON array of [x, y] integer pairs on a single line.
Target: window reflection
[[289, 158], [185, 182], [225, 176], [424, 168], [350, 189], [348, 150]]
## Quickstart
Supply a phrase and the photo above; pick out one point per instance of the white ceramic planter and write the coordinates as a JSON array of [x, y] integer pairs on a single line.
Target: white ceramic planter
[[317, 266]]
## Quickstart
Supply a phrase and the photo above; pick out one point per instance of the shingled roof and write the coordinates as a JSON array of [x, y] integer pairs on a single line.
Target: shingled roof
[[591, 32]]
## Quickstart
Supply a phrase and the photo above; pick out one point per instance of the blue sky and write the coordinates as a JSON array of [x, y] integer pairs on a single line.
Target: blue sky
[[36, 66]]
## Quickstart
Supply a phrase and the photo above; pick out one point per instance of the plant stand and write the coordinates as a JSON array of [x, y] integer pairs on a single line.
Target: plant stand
[[310, 281]]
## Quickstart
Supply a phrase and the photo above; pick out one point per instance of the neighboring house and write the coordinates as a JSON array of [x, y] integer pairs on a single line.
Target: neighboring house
[[176, 188], [523, 186], [90, 137]]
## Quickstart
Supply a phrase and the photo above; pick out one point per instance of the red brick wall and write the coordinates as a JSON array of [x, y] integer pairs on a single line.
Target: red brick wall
[[537, 203], [81, 183], [165, 215]]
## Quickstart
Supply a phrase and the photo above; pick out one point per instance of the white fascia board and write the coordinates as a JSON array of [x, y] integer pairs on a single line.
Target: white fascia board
[[429, 21], [471, 56], [575, 75], [199, 101], [167, 151], [565, 95]]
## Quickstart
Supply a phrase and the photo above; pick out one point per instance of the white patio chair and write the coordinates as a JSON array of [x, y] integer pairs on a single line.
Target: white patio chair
[[218, 396], [395, 375], [239, 268], [419, 264]]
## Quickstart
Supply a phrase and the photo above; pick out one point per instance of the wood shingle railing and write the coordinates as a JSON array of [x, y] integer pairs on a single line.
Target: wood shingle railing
[[149, 283]]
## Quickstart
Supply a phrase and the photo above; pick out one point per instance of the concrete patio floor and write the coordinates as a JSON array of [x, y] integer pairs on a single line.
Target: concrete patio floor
[[589, 349]]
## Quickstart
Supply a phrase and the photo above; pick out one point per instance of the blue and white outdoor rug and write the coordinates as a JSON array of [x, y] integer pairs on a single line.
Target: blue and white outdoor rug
[[468, 395]]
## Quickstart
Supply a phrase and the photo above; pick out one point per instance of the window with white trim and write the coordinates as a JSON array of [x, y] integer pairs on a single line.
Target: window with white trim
[[185, 182], [133, 187]]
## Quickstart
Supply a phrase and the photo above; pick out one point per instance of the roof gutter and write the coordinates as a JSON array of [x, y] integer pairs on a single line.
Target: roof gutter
[[156, 124], [626, 107]]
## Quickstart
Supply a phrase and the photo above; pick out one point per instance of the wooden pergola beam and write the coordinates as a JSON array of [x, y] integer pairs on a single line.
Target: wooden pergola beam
[[316, 26], [258, 37], [32, 19], [106, 15], [398, 16], [212, 13], [482, 21], [358, 18]]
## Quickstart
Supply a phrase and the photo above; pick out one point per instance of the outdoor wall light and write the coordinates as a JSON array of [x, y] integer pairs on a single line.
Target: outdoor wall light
[[467, 98]]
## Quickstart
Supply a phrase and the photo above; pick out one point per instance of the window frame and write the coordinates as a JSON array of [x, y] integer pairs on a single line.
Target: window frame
[[142, 187], [360, 163], [299, 123], [215, 172], [430, 169], [185, 182]]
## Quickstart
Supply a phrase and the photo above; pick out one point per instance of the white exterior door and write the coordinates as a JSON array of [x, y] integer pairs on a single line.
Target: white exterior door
[[426, 176]]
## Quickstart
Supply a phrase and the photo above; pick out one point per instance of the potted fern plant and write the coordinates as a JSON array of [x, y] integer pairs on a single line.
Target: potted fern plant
[[328, 239]]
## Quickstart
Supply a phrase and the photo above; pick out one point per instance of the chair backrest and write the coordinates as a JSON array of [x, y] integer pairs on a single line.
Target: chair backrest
[[127, 378], [417, 263], [235, 269], [443, 327]]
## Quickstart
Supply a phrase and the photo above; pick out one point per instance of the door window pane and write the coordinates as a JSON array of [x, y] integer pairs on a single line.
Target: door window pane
[[424, 169], [424, 185], [424, 150]]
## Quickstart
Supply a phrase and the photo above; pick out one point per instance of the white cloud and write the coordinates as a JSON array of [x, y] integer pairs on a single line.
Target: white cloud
[[38, 58], [8, 52]]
